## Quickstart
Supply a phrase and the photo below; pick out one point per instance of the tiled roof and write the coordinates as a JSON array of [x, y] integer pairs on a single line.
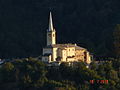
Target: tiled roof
[[63, 46], [79, 48], [60, 45]]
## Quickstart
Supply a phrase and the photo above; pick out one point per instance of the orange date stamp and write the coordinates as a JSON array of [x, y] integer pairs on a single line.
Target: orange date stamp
[[98, 81]]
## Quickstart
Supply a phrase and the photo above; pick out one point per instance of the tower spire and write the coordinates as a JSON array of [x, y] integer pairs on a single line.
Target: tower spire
[[50, 23], [51, 33]]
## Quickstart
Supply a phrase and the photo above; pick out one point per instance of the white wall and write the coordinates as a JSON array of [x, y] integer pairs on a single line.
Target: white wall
[[47, 50], [70, 51], [64, 55], [54, 50]]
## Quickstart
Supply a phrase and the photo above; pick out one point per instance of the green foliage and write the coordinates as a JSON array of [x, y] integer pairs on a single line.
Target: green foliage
[[113, 75], [8, 67], [66, 71], [93, 65], [116, 64], [30, 73], [101, 70], [7, 71], [116, 36], [27, 73]]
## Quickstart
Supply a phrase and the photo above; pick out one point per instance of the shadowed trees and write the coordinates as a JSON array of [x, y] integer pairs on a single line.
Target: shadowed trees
[[31, 74]]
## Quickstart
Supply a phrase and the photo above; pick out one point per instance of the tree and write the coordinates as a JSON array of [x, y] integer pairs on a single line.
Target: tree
[[23, 73], [113, 75], [7, 72], [32, 73], [116, 64], [7, 76], [66, 71], [116, 38], [93, 65]]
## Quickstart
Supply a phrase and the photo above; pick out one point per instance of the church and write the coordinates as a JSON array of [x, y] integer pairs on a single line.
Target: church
[[62, 52]]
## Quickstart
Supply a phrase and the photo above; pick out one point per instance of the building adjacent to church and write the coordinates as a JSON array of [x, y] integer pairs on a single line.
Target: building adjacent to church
[[62, 52]]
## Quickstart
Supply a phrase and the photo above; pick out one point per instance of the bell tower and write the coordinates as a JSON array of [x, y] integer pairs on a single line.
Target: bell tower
[[51, 33]]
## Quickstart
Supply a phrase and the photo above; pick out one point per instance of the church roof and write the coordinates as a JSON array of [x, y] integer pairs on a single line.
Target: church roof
[[60, 45], [79, 48], [63, 46]]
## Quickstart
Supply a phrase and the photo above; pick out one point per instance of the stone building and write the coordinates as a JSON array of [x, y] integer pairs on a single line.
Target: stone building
[[62, 52]]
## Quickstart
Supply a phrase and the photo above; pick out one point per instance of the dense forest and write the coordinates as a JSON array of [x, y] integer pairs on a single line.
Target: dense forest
[[89, 23], [31, 74]]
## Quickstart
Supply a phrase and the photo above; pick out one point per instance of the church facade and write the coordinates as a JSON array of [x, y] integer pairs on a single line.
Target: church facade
[[62, 52]]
